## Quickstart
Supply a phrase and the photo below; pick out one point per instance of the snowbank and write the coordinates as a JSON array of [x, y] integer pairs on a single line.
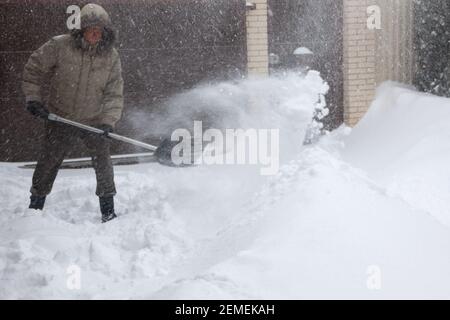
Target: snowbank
[[348, 217], [403, 144], [317, 231]]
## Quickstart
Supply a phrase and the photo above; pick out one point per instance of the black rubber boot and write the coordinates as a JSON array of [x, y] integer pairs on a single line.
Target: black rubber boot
[[37, 203], [107, 209]]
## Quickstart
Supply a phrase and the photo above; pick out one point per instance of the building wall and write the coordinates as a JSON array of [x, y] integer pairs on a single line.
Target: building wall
[[257, 39], [359, 60], [372, 56]]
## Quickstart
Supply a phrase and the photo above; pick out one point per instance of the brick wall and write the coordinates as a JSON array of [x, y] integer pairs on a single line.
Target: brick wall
[[374, 56], [257, 39], [359, 60]]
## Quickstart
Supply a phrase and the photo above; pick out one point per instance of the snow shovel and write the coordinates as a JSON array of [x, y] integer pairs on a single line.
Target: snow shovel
[[162, 152]]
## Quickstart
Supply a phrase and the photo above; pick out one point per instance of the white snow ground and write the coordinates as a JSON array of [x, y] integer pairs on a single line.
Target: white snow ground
[[362, 214]]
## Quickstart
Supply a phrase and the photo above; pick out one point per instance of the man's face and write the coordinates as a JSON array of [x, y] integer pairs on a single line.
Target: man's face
[[93, 35]]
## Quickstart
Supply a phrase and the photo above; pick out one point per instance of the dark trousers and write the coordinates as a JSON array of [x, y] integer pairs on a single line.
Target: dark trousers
[[58, 140]]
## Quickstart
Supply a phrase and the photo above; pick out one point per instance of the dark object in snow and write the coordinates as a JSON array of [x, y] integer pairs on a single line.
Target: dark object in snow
[[107, 209], [37, 109], [37, 203], [164, 152]]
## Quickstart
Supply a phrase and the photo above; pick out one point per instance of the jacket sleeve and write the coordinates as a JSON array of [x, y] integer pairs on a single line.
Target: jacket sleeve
[[113, 95], [40, 63]]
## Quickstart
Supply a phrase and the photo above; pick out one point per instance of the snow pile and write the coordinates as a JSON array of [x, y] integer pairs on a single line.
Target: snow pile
[[38, 250], [347, 217], [317, 231], [403, 143]]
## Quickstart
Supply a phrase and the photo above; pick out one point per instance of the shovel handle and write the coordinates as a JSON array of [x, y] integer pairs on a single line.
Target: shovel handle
[[54, 117]]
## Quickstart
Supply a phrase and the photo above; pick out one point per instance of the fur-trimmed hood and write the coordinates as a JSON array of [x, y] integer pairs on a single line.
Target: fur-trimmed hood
[[94, 15]]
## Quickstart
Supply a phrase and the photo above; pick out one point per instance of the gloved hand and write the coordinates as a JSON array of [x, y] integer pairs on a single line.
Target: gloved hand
[[37, 109], [106, 128]]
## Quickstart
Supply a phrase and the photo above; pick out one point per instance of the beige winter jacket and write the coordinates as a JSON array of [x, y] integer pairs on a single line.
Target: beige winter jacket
[[86, 82]]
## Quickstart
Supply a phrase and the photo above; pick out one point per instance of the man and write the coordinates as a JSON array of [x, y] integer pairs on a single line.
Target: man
[[85, 86]]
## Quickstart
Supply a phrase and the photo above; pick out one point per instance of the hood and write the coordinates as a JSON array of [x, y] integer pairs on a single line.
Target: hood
[[94, 15]]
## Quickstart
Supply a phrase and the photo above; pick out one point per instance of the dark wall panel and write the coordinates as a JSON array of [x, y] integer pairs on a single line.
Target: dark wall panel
[[166, 46], [317, 25]]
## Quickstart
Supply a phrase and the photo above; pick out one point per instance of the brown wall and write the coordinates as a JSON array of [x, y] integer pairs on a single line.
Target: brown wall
[[166, 46]]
